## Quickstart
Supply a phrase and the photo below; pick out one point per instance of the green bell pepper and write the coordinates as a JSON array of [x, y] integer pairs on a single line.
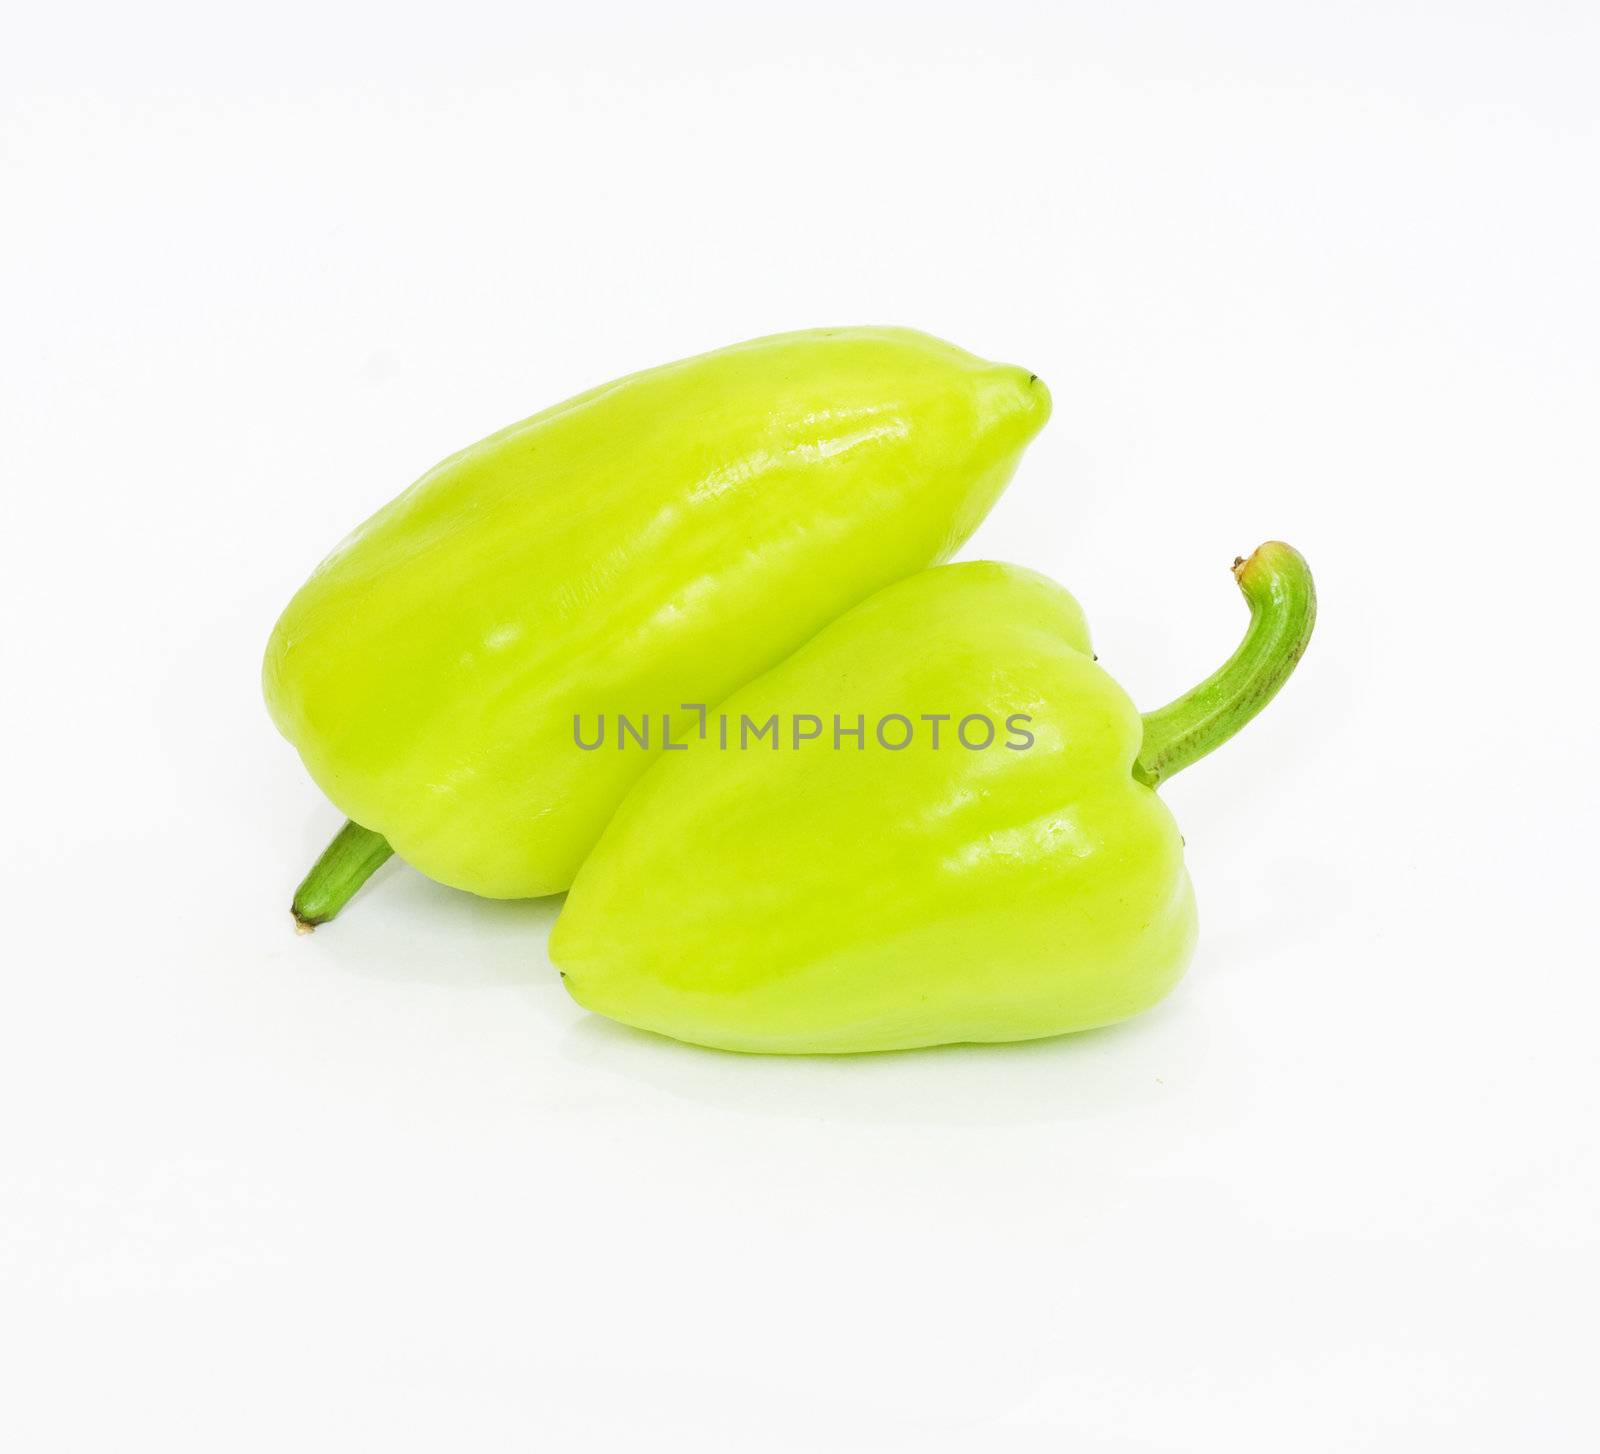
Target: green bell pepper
[[988, 860], [657, 540]]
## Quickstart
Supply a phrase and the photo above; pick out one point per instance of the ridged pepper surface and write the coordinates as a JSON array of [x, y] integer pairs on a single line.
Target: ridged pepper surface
[[988, 860], [656, 541]]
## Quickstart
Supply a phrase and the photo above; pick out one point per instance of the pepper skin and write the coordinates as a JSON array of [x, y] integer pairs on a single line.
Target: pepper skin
[[656, 541], [827, 897]]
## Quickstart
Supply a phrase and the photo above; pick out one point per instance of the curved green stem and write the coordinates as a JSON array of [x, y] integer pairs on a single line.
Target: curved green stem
[[355, 854], [1276, 582]]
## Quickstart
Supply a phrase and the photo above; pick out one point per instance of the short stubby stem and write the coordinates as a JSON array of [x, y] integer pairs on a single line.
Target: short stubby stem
[[1277, 584], [355, 854]]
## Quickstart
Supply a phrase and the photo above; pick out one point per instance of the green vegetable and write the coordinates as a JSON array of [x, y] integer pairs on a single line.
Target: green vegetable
[[657, 541], [823, 895]]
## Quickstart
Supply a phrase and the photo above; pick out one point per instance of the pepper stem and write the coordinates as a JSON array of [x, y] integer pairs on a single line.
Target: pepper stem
[[355, 854], [1276, 582]]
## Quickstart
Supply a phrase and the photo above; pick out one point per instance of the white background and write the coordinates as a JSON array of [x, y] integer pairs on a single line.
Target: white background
[[1319, 272]]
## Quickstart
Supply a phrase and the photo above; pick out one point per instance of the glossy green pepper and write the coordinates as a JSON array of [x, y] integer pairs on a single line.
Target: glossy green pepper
[[987, 860], [657, 540]]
